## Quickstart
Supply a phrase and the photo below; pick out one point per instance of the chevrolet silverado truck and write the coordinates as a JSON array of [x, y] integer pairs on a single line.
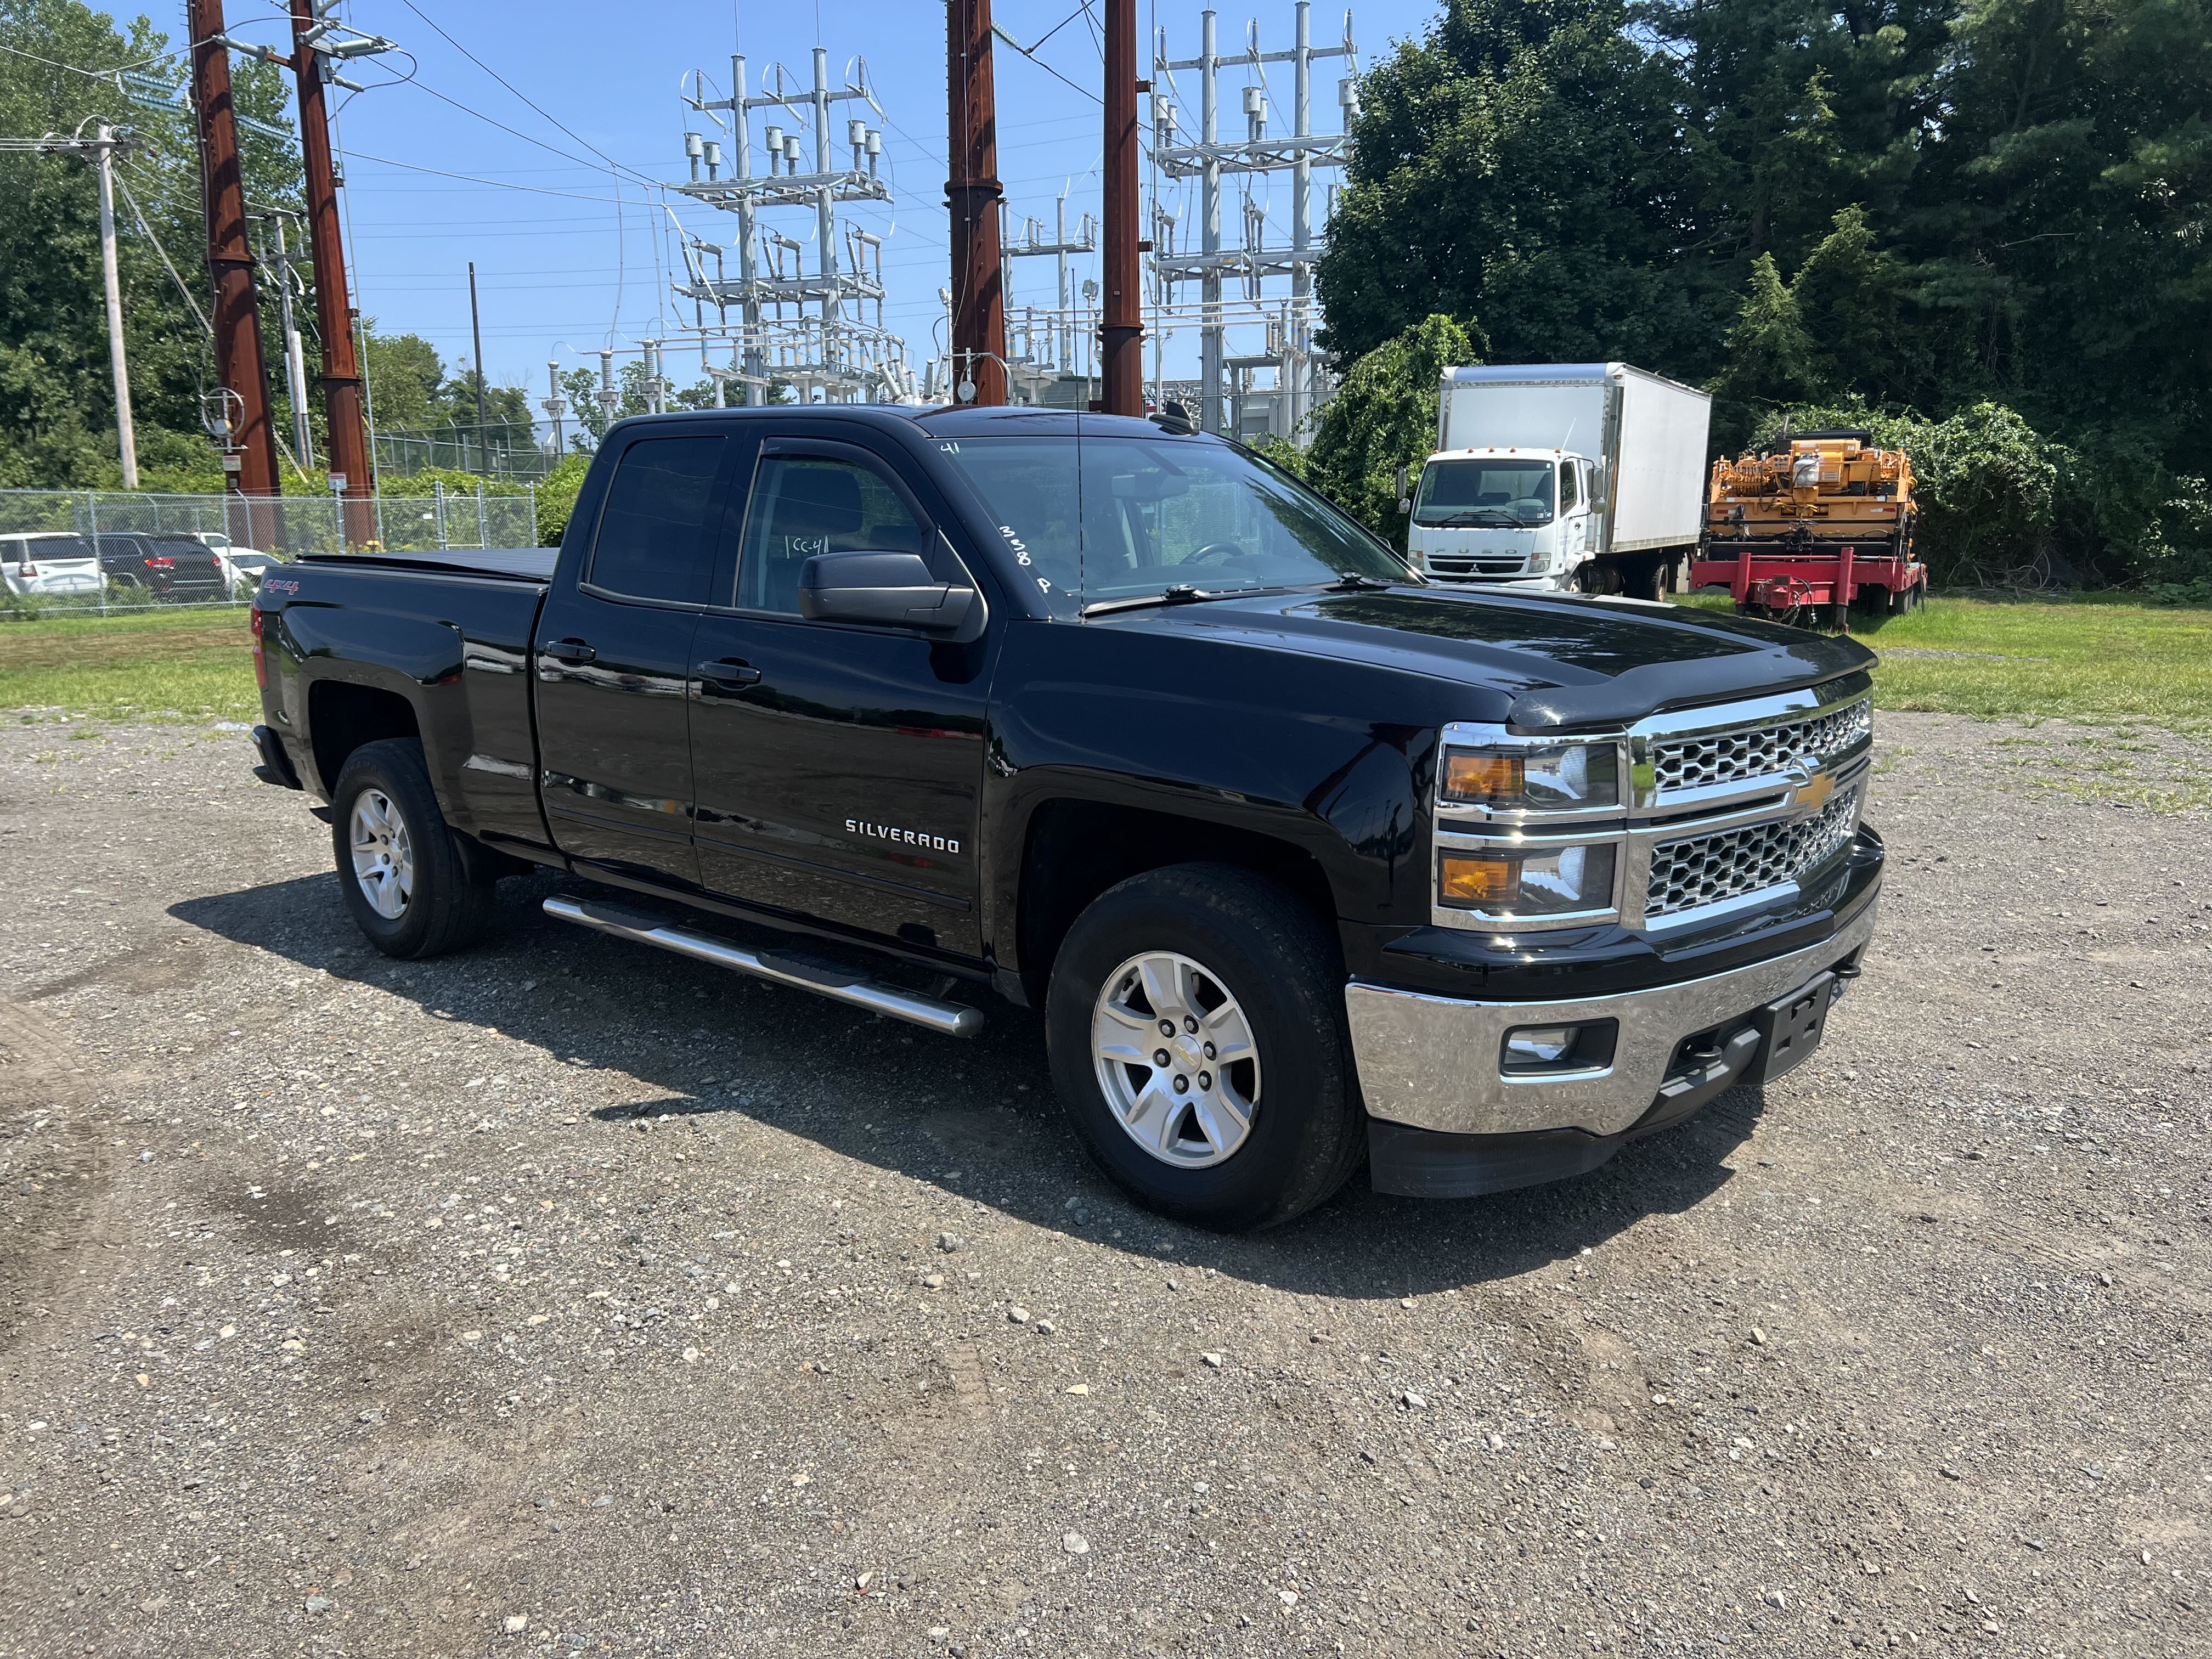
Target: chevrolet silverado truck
[[1303, 860]]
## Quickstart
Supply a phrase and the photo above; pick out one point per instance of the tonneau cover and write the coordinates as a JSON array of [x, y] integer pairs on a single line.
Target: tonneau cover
[[515, 563]]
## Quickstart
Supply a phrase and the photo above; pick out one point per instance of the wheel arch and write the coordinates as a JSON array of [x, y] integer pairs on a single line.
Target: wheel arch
[[1074, 849], [344, 715]]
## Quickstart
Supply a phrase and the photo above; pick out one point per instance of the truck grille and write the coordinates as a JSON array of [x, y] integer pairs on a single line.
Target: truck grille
[[1469, 564], [1708, 869], [1725, 757]]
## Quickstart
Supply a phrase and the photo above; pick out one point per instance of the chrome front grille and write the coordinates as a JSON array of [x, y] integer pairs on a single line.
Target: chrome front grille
[[1761, 751], [1701, 870], [1721, 808]]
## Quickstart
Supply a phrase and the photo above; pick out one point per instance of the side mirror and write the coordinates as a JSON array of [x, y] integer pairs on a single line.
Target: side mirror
[[891, 590]]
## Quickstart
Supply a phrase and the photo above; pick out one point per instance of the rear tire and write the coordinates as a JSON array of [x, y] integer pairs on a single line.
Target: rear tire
[[409, 885], [1266, 1136]]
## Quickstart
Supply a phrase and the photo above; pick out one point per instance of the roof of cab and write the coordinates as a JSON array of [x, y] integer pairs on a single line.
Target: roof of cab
[[937, 420]]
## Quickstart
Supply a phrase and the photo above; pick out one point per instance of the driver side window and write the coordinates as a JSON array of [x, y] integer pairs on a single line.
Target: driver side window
[[1569, 496], [803, 505]]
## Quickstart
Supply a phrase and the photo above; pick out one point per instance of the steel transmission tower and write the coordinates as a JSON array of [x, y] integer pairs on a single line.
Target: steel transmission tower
[[835, 348], [1066, 324], [1290, 331]]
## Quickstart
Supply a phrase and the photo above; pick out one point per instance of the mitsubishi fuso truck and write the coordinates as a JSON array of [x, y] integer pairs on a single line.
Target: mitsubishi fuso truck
[[1560, 476]]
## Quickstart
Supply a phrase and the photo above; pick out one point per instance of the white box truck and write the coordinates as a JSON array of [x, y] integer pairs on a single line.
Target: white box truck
[[1558, 475]]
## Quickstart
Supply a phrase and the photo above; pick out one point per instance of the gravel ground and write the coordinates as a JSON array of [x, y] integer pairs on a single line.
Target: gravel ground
[[564, 1297]]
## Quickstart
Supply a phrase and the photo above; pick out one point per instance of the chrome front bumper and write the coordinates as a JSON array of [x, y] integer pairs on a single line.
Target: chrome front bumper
[[1433, 1062]]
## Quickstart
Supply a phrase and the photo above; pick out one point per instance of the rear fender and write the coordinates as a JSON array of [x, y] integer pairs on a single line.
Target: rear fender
[[415, 661]]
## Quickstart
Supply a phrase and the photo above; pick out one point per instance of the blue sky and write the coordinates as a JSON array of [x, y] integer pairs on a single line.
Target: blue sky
[[562, 268]]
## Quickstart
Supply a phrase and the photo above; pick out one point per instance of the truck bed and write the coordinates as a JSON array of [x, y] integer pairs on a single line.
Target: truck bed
[[532, 564]]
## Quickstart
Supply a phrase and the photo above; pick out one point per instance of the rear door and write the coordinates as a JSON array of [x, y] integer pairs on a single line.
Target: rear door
[[838, 768], [612, 658]]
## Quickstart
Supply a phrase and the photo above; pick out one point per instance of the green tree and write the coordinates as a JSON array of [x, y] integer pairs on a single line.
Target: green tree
[[502, 404], [405, 374], [1384, 418], [1525, 164], [56, 400]]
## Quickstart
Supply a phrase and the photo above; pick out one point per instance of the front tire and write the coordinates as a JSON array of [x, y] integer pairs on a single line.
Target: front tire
[[1253, 1117], [409, 885]]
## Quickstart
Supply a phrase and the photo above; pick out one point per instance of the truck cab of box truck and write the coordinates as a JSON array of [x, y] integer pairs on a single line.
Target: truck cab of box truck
[[1520, 518], [1560, 476]]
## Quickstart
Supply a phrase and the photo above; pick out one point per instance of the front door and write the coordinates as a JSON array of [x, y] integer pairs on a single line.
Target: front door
[[613, 661], [837, 769]]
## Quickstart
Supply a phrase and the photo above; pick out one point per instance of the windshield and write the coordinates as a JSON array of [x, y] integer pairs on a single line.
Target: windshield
[[1486, 492], [1104, 519]]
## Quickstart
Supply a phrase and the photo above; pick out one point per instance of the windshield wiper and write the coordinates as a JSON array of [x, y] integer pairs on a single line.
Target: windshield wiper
[[1177, 593], [1353, 582], [1477, 515]]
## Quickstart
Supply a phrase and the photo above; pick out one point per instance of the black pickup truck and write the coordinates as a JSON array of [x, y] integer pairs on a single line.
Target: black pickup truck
[[1303, 860]]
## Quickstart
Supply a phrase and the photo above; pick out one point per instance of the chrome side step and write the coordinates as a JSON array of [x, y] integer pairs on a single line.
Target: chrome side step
[[823, 979]]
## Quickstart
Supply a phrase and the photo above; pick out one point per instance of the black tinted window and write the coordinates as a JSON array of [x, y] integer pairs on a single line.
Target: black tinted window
[[654, 542], [803, 505]]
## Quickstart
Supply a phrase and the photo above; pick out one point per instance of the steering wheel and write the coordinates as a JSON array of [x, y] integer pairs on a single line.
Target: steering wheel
[[1215, 553]]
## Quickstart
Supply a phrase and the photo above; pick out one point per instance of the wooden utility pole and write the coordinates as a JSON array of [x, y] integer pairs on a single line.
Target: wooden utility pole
[[230, 258], [127, 438], [1121, 327], [341, 410], [979, 299], [476, 332]]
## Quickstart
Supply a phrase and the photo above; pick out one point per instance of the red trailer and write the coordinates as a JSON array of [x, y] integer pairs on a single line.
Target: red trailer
[[1821, 519]]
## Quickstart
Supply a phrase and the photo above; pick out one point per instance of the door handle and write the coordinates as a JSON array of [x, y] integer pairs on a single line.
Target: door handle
[[731, 672], [568, 651]]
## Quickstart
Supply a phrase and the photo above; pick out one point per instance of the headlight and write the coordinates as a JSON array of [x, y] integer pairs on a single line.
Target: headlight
[[1568, 777], [1508, 881]]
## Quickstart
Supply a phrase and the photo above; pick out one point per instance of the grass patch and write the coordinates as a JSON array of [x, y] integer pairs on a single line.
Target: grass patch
[[2099, 659], [181, 664]]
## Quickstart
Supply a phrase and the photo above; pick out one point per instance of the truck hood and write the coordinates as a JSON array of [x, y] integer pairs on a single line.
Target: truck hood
[[1562, 660]]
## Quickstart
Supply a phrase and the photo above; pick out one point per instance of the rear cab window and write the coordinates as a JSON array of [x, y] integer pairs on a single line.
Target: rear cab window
[[654, 539]]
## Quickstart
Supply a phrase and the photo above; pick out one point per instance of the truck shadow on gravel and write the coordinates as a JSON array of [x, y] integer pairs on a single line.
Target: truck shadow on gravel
[[977, 1120]]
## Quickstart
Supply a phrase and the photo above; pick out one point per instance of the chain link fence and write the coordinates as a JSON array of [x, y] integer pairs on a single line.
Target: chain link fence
[[497, 451], [91, 552]]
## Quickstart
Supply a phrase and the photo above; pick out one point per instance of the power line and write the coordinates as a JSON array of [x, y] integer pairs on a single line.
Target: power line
[[519, 93], [93, 75], [139, 214], [467, 177]]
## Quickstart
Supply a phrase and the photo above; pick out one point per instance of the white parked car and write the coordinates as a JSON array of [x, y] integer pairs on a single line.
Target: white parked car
[[50, 561], [239, 564]]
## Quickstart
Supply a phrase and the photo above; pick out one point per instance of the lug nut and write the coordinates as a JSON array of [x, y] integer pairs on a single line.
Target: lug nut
[[1206, 1079], [1190, 1023], [1182, 1084], [1209, 1051], [1160, 1057], [1166, 1028]]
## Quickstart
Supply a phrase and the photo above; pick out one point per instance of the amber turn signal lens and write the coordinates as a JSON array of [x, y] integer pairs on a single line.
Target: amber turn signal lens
[[1479, 879], [1483, 777]]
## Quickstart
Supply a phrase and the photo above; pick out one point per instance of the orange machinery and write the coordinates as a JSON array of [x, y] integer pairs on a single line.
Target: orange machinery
[[1814, 519]]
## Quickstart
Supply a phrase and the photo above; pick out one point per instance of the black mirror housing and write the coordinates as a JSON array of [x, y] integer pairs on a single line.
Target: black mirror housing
[[889, 590]]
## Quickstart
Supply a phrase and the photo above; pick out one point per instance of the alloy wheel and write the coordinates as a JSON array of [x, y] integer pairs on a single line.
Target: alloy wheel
[[383, 856], [1176, 1060]]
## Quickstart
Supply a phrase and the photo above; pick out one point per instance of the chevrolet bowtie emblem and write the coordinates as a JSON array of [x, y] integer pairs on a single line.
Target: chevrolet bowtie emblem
[[1812, 793]]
